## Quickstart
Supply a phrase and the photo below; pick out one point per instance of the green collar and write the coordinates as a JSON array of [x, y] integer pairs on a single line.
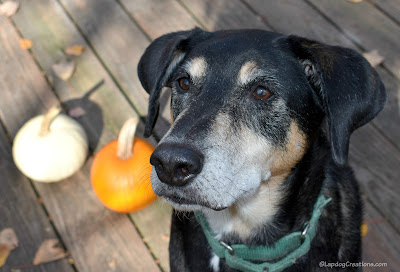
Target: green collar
[[288, 249]]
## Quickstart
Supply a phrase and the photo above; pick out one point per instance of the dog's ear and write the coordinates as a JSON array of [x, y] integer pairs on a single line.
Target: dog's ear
[[159, 60], [349, 90]]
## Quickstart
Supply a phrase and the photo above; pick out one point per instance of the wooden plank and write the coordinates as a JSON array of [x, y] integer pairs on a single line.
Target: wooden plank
[[376, 166], [36, 22], [358, 21], [51, 34], [389, 7], [21, 210], [390, 115], [170, 16], [303, 21], [99, 240], [224, 14], [125, 55], [380, 244], [154, 224], [17, 64], [102, 240], [120, 50]]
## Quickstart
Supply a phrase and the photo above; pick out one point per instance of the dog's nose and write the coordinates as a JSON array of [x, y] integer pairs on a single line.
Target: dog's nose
[[176, 164]]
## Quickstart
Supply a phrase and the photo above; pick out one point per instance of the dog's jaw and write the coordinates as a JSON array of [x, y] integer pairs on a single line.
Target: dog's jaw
[[249, 213]]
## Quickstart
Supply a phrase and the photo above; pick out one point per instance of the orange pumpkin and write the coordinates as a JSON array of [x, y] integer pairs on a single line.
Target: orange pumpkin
[[121, 170]]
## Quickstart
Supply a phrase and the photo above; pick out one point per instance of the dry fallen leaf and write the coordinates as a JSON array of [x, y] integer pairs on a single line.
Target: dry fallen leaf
[[8, 238], [8, 242], [25, 43], [4, 252], [76, 112], [49, 252], [364, 229], [354, 1], [75, 50], [165, 237], [112, 263], [374, 57], [64, 69], [9, 8]]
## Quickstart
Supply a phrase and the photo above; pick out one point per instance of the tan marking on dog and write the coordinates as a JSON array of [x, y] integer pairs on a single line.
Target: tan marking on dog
[[246, 73], [284, 159], [258, 209], [197, 68]]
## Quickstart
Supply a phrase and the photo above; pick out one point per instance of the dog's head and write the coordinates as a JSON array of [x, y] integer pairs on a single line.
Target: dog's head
[[246, 105]]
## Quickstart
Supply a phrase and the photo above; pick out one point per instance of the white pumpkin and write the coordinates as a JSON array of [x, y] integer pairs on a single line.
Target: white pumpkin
[[50, 147]]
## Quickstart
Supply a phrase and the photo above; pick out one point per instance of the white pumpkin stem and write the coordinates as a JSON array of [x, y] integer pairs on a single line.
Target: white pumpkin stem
[[126, 137], [47, 119]]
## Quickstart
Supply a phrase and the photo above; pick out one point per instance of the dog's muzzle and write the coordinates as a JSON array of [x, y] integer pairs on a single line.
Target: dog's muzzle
[[176, 164]]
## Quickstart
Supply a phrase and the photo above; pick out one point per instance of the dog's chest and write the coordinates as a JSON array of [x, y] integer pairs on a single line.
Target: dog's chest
[[244, 220]]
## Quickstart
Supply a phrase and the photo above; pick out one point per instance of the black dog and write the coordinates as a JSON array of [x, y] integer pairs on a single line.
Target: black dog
[[261, 132]]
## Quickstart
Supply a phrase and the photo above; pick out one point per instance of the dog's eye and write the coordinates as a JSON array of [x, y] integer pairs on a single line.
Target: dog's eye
[[184, 83], [261, 93]]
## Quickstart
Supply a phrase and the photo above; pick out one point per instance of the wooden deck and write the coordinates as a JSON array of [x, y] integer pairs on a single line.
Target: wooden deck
[[115, 34]]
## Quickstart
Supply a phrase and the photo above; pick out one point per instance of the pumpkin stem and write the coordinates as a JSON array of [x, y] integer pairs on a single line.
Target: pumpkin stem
[[47, 119], [126, 137]]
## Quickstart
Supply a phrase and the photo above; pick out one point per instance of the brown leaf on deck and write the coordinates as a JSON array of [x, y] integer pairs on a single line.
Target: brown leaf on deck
[[364, 229], [165, 237], [49, 252], [75, 50], [8, 238], [4, 252], [25, 44], [8, 242], [112, 264], [9, 8], [64, 69], [373, 57]]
